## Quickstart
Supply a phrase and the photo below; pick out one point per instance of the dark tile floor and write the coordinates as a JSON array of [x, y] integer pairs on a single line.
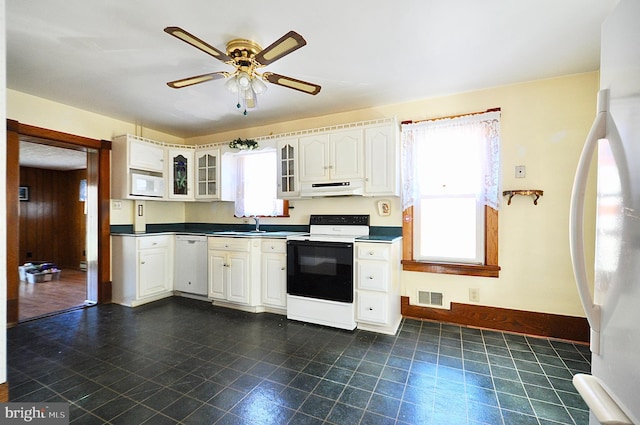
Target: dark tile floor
[[181, 361]]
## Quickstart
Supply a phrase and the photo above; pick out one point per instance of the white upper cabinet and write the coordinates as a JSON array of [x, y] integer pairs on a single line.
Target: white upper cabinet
[[181, 172], [145, 155], [381, 152], [314, 157], [288, 178], [138, 167], [346, 155], [331, 156], [207, 173]]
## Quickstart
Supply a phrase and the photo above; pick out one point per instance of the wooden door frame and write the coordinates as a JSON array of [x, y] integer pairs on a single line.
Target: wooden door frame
[[15, 130]]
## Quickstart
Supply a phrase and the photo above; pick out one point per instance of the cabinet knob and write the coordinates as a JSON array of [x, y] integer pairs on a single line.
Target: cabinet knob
[[142, 262], [369, 277], [370, 308], [154, 243], [371, 253], [282, 268]]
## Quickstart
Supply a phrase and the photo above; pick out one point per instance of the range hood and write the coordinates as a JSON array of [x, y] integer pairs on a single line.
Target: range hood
[[332, 188]]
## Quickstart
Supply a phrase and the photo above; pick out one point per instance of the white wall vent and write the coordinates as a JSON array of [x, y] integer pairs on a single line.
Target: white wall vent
[[431, 299]]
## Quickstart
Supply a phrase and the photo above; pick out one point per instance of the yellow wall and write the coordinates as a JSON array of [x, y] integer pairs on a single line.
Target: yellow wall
[[47, 114], [544, 124]]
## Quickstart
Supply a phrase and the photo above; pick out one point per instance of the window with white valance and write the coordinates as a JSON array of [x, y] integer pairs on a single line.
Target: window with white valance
[[256, 191], [451, 178]]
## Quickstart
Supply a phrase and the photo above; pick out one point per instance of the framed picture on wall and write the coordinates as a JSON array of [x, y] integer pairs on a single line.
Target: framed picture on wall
[[23, 193]]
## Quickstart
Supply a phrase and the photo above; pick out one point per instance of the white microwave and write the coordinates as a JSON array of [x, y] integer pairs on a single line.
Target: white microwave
[[147, 185]]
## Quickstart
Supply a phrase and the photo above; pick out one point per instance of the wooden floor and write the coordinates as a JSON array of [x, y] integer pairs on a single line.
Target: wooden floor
[[37, 299]]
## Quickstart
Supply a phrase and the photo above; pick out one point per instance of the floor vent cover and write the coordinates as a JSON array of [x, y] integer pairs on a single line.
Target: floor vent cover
[[434, 299]]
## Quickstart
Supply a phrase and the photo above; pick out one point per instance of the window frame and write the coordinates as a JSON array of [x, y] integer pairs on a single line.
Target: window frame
[[490, 268]]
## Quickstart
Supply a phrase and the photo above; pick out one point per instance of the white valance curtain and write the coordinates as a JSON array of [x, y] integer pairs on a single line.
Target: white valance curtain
[[256, 191], [477, 133]]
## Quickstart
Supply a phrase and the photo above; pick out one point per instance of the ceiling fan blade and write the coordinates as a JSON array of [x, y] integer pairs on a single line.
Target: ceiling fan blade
[[286, 44], [178, 84], [291, 83], [197, 43]]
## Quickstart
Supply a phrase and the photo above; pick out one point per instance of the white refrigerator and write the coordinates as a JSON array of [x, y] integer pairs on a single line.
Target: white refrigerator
[[612, 390]]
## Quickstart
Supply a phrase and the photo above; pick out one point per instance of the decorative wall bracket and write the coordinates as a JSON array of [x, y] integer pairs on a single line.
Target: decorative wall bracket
[[529, 192]]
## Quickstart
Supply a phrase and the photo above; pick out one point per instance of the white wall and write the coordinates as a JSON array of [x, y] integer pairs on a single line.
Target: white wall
[[544, 124], [3, 203]]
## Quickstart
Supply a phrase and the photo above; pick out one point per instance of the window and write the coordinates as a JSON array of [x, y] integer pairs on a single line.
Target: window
[[451, 195], [257, 185]]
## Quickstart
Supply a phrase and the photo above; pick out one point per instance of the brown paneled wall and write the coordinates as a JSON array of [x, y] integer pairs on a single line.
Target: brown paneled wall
[[52, 221]]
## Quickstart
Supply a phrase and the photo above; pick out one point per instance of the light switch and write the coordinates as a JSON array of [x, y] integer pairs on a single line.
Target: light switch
[[117, 205]]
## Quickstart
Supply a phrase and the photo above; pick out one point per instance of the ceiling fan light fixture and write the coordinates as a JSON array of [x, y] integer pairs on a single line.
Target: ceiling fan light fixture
[[232, 85], [244, 81], [246, 56], [258, 86]]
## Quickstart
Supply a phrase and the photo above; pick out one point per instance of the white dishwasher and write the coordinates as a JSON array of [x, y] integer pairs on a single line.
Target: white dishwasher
[[191, 264]]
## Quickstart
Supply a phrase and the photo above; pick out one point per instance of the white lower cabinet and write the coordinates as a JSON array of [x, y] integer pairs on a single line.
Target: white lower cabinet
[[274, 274], [142, 269], [234, 271], [378, 286]]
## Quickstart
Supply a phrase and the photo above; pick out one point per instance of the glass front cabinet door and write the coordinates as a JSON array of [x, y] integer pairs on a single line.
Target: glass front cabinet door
[[181, 173], [288, 179], [208, 174]]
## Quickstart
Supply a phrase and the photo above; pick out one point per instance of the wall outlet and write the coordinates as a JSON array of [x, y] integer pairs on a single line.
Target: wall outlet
[[521, 171], [474, 295]]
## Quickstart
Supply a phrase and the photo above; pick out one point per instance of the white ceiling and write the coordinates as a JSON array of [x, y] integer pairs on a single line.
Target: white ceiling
[[113, 57], [34, 154]]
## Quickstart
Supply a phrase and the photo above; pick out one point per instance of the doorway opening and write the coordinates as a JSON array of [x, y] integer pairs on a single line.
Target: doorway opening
[[54, 222], [60, 217]]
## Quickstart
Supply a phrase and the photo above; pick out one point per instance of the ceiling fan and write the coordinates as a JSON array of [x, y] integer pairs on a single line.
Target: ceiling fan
[[247, 57]]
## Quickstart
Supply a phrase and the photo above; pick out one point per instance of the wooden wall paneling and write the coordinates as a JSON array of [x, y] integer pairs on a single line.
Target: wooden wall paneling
[[52, 222]]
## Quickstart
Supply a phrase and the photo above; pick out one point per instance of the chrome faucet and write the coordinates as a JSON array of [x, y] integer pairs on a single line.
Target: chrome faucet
[[257, 223]]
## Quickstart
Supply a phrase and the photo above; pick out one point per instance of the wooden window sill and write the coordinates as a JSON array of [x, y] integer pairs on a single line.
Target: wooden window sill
[[451, 268]]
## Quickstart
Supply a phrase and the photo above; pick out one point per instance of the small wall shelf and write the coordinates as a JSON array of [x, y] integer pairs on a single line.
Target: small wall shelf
[[528, 192]]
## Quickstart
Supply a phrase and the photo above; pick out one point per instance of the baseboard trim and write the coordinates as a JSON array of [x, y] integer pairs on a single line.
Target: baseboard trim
[[4, 392], [504, 319]]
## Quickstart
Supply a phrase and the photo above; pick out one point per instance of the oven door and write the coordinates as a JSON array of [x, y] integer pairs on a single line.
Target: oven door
[[322, 270]]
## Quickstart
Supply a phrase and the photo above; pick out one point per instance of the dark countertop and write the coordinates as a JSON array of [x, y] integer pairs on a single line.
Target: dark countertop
[[379, 238]]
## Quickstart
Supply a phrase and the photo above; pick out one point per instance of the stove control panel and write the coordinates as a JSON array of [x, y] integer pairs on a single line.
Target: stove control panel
[[343, 220]]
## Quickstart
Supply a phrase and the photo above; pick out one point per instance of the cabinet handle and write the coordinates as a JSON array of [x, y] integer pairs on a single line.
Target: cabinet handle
[[282, 268], [154, 243]]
